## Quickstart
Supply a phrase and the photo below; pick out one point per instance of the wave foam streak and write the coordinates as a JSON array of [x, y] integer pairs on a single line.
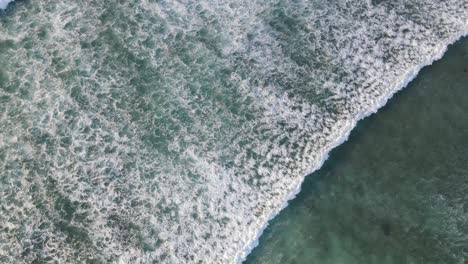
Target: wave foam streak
[[172, 131]]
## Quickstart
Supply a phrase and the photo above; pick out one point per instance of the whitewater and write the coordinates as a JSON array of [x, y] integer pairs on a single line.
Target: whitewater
[[4, 3], [172, 131]]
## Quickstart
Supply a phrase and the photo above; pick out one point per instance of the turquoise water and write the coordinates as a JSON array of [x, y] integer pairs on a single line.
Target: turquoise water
[[155, 131], [396, 192]]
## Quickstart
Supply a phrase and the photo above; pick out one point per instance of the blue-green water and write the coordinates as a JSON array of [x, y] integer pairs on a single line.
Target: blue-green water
[[155, 131], [397, 191]]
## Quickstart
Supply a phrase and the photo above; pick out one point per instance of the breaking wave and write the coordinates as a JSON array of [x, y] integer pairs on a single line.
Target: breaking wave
[[172, 131]]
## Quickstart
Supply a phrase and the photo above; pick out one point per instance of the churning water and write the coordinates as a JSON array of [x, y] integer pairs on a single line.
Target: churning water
[[396, 191], [4, 3], [172, 131]]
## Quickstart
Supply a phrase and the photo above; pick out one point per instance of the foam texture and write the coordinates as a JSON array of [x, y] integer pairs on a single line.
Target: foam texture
[[172, 131]]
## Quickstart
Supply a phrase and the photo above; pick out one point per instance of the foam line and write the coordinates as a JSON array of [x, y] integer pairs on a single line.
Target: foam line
[[410, 76]]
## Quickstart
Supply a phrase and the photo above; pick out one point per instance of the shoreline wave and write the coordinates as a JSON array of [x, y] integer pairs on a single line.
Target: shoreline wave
[[410, 76], [178, 140], [4, 4]]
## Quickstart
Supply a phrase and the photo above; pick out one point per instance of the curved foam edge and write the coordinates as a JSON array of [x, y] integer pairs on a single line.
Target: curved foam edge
[[410, 76], [4, 3]]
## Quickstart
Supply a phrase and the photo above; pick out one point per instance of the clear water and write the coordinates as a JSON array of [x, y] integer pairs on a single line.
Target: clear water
[[396, 192], [172, 131]]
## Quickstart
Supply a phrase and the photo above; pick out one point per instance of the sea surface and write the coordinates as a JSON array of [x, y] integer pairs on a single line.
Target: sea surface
[[396, 191], [154, 131]]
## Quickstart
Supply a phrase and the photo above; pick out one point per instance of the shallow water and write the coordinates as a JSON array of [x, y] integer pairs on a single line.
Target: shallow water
[[172, 131], [396, 192]]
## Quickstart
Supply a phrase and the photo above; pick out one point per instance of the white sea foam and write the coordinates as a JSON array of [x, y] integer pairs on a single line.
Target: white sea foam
[[173, 131], [411, 75], [4, 3]]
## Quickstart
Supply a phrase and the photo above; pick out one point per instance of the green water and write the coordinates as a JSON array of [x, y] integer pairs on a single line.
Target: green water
[[397, 191]]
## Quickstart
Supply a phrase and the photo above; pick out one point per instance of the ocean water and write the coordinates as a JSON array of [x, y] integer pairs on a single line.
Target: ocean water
[[396, 192], [4, 3], [155, 131]]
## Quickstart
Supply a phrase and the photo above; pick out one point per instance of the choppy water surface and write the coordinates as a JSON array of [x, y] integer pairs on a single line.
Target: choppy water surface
[[396, 192], [171, 131], [4, 3]]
